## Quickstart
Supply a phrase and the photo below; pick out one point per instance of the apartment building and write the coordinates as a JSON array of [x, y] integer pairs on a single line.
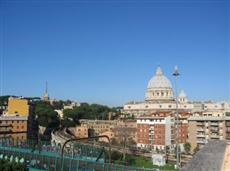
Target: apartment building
[[99, 126], [157, 132], [204, 128], [80, 131], [14, 127], [112, 128], [17, 123]]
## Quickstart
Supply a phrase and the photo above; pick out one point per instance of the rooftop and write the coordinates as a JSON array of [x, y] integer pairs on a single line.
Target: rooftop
[[209, 158]]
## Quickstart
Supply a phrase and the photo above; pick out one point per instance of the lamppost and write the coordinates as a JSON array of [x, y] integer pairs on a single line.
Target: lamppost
[[125, 139], [176, 74]]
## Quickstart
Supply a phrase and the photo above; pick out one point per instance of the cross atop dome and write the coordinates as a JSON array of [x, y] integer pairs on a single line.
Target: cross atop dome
[[182, 94], [159, 71]]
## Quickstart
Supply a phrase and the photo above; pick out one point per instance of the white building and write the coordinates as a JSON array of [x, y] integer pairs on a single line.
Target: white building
[[160, 97]]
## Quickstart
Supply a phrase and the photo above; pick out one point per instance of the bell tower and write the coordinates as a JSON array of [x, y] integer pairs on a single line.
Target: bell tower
[[46, 95]]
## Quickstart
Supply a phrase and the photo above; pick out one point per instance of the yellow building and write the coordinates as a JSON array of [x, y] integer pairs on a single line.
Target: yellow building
[[18, 106]]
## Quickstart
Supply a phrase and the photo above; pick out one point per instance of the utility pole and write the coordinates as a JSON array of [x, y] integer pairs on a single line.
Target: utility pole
[[176, 74]]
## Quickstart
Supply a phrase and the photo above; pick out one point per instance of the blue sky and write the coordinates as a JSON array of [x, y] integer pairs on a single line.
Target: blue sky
[[106, 51]]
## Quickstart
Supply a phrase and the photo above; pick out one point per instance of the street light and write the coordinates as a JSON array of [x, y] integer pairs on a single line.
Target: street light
[[176, 74]]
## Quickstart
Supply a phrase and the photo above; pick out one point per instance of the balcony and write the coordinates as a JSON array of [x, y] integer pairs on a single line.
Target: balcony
[[227, 123], [228, 136], [151, 135], [200, 135], [200, 130], [200, 124], [215, 136], [151, 129], [201, 141], [228, 130], [214, 124], [151, 140], [214, 129]]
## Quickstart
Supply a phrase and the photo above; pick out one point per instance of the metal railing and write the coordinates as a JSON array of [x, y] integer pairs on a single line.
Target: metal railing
[[54, 161]]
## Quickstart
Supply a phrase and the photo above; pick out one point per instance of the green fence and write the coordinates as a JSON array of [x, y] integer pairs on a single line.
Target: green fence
[[38, 159]]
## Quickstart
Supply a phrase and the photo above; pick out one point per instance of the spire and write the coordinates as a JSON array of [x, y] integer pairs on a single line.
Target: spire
[[159, 71], [46, 95]]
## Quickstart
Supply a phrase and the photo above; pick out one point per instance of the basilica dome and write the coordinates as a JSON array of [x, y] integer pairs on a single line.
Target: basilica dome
[[159, 87], [159, 80]]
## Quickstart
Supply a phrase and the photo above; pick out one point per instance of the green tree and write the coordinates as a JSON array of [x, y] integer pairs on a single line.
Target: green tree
[[6, 165], [86, 111], [4, 100], [187, 147], [115, 155], [46, 115], [70, 117], [58, 104], [196, 149], [66, 122]]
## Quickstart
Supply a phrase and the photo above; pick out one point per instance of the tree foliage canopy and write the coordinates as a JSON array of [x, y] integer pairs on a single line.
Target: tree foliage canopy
[[46, 115], [6, 165], [4, 100], [58, 104], [93, 111], [86, 111], [187, 147]]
